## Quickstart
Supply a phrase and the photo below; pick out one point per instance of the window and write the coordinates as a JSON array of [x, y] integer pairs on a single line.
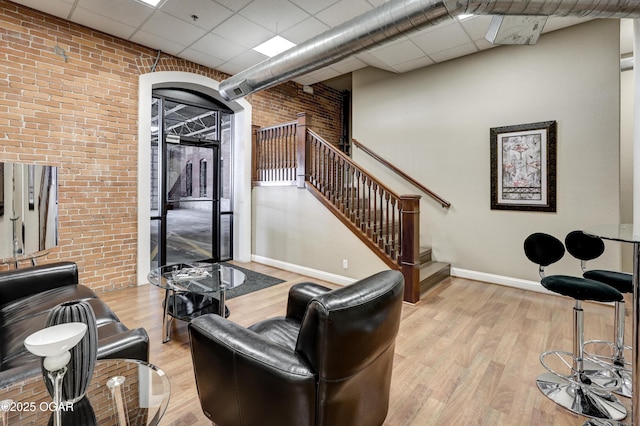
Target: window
[[189, 179], [203, 178]]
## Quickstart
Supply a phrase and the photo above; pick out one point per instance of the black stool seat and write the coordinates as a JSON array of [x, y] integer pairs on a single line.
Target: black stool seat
[[621, 281], [581, 288], [587, 247]]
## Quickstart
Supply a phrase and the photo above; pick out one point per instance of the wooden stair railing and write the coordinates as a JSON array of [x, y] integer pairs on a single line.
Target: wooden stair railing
[[274, 159], [388, 223], [444, 203]]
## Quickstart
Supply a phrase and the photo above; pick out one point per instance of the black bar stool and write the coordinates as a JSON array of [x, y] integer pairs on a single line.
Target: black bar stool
[[584, 248], [583, 387]]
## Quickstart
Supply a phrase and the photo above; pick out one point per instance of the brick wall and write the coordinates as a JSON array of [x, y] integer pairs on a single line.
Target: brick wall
[[80, 114]]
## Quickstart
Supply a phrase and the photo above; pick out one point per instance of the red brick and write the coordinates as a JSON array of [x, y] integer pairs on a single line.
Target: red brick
[[81, 115]]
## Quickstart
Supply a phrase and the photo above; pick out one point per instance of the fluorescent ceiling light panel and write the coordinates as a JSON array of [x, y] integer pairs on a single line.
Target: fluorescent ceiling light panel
[[464, 16], [153, 3], [274, 46]]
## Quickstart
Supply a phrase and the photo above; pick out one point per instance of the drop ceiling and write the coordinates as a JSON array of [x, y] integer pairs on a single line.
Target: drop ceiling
[[221, 34]]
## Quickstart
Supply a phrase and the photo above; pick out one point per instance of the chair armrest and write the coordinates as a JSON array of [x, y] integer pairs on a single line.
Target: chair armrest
[[300, 295], [236, 369], [19, 283], [18, 374], [131, 344]]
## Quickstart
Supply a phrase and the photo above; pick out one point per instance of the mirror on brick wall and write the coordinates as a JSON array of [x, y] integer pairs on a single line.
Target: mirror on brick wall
[[28, 210]]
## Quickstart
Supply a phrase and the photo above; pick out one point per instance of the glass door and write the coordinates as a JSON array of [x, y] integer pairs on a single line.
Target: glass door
[[191, 214], [192, 207]]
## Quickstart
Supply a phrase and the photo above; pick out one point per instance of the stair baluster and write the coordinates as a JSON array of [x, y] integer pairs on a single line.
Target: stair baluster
[[292, 154]]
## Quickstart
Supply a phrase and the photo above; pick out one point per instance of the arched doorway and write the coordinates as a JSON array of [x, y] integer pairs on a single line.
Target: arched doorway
[[241, 146], [191, 178]]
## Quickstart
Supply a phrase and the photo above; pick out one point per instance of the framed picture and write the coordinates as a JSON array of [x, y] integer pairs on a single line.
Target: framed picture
[[523, 167]]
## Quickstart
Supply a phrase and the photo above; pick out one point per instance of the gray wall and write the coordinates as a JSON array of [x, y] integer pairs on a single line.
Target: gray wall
[[294, 231], [626, 161], [434, 124], [441, 116]]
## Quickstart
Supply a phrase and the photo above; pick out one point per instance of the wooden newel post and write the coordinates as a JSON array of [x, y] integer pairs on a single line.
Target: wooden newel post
[[254, 153], [410, 261], [302, 148]]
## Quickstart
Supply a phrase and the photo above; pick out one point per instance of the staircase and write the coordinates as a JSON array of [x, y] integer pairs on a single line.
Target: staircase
[[388, 223], [431, 272]]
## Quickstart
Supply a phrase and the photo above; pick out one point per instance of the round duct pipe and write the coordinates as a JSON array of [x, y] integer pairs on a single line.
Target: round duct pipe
[[397, 17]]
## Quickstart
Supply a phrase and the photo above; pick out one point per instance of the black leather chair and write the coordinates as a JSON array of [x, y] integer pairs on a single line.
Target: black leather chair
[[573, 382], [327, 362], [585, 248], [27, 295]]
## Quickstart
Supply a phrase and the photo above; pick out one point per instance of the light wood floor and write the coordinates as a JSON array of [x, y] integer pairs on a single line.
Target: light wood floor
[[467, 354]]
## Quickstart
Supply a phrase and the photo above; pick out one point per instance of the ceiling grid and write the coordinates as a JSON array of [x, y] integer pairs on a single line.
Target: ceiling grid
[[221, 34]]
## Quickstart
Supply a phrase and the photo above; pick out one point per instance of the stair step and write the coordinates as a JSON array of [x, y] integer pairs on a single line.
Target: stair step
[[425, 255], [432, 273]]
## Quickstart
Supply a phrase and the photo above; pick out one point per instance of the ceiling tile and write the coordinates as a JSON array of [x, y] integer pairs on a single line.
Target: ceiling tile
[[59, 8], [172, 29], [556, 23], [483, 44], [477, 26], [242, 31], [413, 64], [151, 40], [236, 26], [446, 37], [201, 58], [209, 13], [323, 74], [454, 52], [274, 15], [125, 11], [348, 65], [305, 30], [314, 6], [101, 23], [342, 11], [306, 80], [248, 59], [212, 44], [371, 60], [230, 68], [234, 5], [397, 52]]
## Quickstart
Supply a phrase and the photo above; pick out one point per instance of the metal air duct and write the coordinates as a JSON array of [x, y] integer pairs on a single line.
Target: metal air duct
[[397, 17]]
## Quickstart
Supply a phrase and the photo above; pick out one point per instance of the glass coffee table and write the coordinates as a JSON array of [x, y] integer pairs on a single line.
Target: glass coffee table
[[192, 290], [121, 392]]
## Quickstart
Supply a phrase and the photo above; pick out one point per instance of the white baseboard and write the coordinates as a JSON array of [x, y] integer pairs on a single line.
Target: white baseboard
[[303, 270], [500, 280], [455, 272]]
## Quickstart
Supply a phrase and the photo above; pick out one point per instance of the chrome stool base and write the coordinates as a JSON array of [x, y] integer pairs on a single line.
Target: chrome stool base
[[603, 352], [581, 399], [601, 422], [595, 376]]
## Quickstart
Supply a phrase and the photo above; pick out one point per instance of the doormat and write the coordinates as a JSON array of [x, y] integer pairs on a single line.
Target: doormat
[[255, 281]]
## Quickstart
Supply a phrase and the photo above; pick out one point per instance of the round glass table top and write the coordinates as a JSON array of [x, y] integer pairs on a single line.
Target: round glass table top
[[202, 278], [623, 232], [121, 391]]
